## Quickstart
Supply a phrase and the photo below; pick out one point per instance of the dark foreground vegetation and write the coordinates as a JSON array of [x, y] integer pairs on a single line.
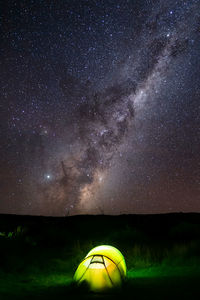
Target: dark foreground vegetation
[[39, 255]]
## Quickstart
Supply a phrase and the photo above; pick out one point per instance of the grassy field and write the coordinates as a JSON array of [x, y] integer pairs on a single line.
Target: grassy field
[[39, 255]]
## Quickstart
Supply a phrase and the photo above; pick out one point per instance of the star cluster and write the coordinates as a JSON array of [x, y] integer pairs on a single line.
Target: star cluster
[[100, 107]]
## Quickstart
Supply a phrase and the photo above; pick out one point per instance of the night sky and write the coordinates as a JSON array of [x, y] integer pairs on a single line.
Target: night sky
[[100, 107]]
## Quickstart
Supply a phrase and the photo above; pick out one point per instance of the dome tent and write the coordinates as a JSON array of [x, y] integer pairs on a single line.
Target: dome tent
[[103, 268]]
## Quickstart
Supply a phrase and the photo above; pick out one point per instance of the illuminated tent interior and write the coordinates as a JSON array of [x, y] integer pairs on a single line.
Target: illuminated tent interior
[[103, 268]]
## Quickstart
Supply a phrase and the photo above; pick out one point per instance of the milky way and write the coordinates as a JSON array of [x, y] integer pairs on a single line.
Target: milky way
[[81, 133]]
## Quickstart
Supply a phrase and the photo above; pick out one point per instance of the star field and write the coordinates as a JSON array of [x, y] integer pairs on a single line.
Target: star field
[[100, 107]]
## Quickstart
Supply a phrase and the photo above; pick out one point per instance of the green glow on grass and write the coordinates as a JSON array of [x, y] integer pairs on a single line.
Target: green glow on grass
[[162, 271]]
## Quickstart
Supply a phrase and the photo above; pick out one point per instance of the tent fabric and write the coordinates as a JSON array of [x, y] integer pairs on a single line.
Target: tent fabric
[[103, 267]]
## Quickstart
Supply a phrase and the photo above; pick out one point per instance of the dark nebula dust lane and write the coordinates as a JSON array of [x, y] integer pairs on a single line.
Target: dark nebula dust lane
[[100, 107]]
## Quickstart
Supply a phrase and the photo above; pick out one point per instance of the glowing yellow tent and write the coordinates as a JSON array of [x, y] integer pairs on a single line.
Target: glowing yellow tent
[[103, 267]]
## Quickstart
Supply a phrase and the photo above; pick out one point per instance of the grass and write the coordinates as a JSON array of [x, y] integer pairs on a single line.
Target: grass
[[39, 255]]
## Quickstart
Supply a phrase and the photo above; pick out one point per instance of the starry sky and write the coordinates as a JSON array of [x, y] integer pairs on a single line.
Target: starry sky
[[100, 107]]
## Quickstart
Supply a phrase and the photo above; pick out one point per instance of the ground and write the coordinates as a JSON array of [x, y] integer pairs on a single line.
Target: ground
[[39, 255]]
